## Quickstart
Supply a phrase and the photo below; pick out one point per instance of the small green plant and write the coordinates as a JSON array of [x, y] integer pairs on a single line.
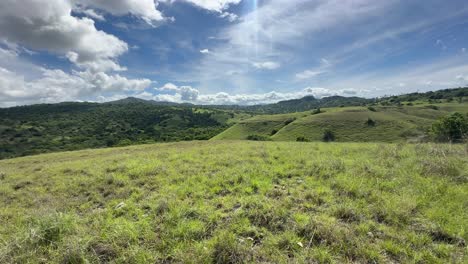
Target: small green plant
[[328, 136], [227, 249], [302, 139]]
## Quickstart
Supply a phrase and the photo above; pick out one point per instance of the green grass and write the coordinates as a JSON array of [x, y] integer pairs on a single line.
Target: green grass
[[392, 124], [238, 202]]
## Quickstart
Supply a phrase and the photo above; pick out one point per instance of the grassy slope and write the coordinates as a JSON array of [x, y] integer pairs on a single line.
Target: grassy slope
[[221, 202], [258, 125], [393, 124]]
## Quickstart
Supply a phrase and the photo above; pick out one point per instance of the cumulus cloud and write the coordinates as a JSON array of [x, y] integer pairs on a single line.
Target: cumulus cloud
[[144, 9], [40, 85], [178, 94], [49, 25], [267, 65], [56, 86]]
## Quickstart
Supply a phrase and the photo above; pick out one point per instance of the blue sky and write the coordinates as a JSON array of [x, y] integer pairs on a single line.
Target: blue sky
[[228, 51]]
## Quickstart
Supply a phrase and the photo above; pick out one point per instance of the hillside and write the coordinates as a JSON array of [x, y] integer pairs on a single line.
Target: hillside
[[37, 129], [349, 124], [237, 202]]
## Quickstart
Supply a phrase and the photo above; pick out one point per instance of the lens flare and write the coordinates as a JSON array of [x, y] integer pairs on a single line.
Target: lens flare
[[255, 17]]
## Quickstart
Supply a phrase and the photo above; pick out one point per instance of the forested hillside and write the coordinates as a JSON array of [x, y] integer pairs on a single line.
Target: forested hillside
[[71, 126]]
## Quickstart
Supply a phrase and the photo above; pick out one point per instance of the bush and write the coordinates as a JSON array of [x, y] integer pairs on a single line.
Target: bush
[[452, 128], [274, 131], [372, 109], [370, 122], [328, 136], [316, 111], [258, 138], [302, 139], [432, 107], [289, 121]]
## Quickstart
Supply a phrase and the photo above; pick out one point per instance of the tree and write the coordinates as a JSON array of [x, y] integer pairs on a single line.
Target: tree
[[452, 128], [328, 136]]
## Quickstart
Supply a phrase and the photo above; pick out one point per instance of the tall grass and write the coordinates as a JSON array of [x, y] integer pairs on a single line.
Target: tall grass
[[237, 202]]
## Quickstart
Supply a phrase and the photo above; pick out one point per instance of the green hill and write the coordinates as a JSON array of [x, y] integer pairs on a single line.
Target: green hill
[[237, 202], [43, 128], [349, 124]]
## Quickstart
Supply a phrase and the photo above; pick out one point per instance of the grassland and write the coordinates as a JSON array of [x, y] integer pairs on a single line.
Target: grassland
[[238, 202], [392, 123]]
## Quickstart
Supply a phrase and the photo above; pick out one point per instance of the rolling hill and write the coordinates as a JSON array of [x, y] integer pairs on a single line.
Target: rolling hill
[[35, 129], [349, 124]]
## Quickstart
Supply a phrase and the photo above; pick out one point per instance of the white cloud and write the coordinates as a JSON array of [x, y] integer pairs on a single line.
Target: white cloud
[[57, 86], [267, 65], [214, 5], [91, 13], [307, 74], [49, 25], [177, 93], [39, 85], [205, 51], [230, 16], [144, 9]]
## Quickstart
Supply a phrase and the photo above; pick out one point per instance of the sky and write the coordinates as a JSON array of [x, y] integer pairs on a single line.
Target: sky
[[228, 51]]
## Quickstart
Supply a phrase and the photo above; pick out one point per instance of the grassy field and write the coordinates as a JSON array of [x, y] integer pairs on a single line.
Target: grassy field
[[392, 124], [238, 202]]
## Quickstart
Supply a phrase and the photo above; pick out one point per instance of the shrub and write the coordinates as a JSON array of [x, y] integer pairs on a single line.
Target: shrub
[[274, 131], [432, 107], [328, 136], [302, 139], [258, 138], [452, 128], [316, 111], [372, 109], [370, 122], [289, 121]]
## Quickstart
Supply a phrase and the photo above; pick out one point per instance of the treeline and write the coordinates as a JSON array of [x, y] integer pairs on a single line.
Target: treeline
[[37, 129]]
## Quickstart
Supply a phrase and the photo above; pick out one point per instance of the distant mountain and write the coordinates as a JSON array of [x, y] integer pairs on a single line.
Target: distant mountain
[[134, 100], [308, 103]]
